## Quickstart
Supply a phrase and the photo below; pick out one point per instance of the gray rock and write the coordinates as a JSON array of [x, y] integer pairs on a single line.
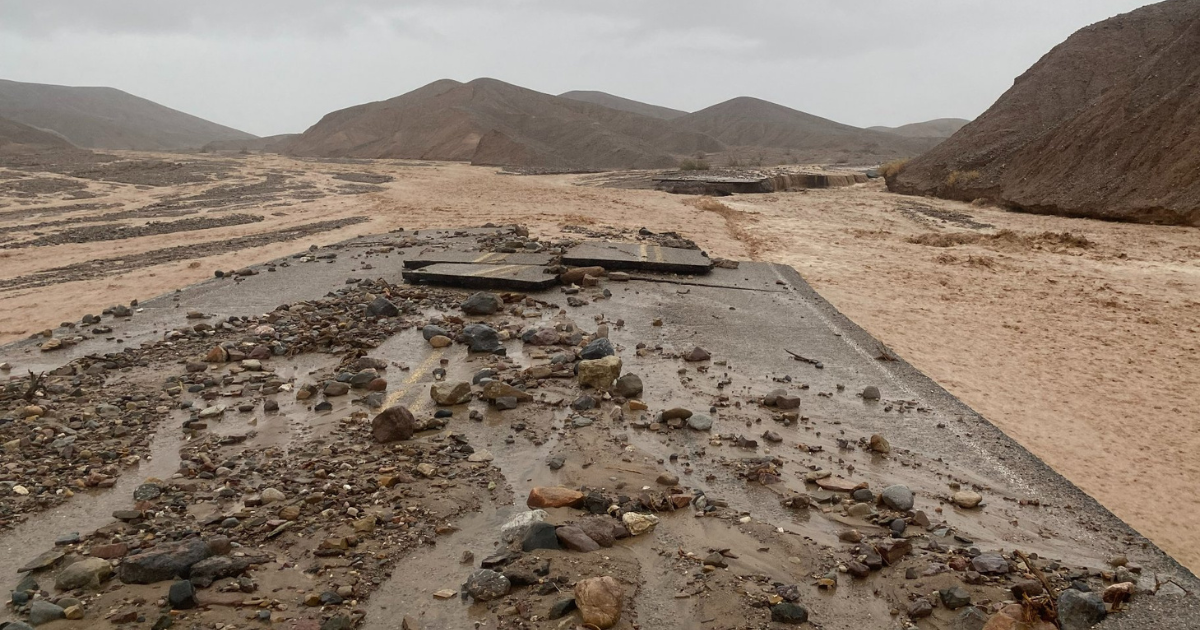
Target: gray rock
[[598, 349], [182, 595], [898, 498], [393, 425], [789, 613], [628, 386], [562, 608], [485, 585], [955, 598], [15, 625], [1080, 611], [480, 338], [89, 573], [575, 539], [482, 303], [147, 492], [41, 611], [163, 562], [540, 535], [870, 392], [863, 495], [971, 618], [382, 307], [431, 330], [700, 422], [205, 572], [990, 563]]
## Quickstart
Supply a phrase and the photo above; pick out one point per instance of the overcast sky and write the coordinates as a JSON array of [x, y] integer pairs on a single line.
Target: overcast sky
[[277, 66]]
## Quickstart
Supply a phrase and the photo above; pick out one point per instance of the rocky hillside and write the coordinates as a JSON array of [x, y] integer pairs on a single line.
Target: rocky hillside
[[107, 118], [937, 128], [1106, 125], [624, 104]]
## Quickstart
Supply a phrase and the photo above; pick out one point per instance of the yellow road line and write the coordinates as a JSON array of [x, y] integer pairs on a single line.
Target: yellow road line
[[642, 252], [488, 256], [494, 271], [414, 376]]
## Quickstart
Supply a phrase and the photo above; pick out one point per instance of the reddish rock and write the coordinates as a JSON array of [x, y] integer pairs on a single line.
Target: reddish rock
[[554, 497], [394, 424], [110, 552]]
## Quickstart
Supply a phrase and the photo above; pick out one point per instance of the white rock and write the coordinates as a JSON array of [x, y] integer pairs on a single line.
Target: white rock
[[638, 523], [516, 526]]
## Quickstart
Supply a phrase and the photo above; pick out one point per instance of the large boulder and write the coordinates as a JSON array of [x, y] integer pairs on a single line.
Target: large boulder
[[163, 562], [393, 424]]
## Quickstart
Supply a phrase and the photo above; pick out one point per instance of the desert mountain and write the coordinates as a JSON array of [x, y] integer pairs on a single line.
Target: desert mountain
[[937, 128], [623, 104], [107, 118], [494, 123], [18, 138], [491, 122], [752, 122], [1106, 125], [268, 144]]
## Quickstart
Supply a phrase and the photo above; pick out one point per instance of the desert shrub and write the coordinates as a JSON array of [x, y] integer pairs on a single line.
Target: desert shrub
[[893, 168], [693, 165], [957, 178]]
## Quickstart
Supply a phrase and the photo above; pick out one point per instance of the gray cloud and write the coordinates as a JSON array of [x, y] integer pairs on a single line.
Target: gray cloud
[[274, 66]]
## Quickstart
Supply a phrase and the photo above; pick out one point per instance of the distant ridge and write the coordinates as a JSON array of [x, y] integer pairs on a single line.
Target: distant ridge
[[937, 128], [17, 138], [107, 118], [752, 122], [268, 144], [623, 104], [490, 122]]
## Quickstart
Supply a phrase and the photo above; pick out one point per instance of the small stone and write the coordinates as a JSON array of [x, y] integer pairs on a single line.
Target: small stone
[[638, 523], [598, 349], [955, 598], [575, 539], [481, 338], [382, 307], [552, 497], [967, 499], [870, 392], [898, 498], [337, 389], [990, 563], [515, 527], [450, 393], [1080, 611], [394, 424], [42, 612], [89, 573], [599, 373], [697, 354], [272, 495], [920, 608], [668, 479], [879, 444], [482, 303], [540, 535], [438, 341], [789, 613], [700, 422], [600, 600], [182, 595], [628, 386], [485, 585]]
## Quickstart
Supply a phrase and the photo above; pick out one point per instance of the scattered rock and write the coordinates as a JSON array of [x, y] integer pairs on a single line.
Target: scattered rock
[[539, 535], [879, 444], [898, 498], [598, 349], [700, 422], [482, 303], [1080, 611], [485, 585], [638, 523], [516, 526], [182, 596], [697, 354], [870, 392], [43, 612], [382, 307], [575, 539], [553, 497], [481, 338], [789, 613], [450, 393], [967, 499], [955, 598], [599, 373], [600, 600], [89, 573], [395, 424], [628, 386]]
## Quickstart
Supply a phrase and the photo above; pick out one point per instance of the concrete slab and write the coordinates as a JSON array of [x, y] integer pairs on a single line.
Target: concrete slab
[[484, 276], [426, 259], [637, 256]]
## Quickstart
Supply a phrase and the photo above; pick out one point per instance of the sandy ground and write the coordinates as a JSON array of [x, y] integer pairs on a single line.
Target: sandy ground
[[1086, 355]]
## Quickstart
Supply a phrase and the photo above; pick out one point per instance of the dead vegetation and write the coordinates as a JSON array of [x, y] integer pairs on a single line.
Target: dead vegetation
[[893, 168], [1004, 239]]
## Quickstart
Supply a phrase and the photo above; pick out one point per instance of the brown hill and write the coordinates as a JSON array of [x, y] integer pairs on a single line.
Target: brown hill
[[16, 138], [1106, 125], [491, 122], [937, 128], [267, 144], [624, 104], [751, 122], [106, 118]]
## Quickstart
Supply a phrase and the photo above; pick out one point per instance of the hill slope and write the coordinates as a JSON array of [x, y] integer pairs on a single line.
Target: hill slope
[[107, 118], [751, 122], [1106, 125], [491, 122], [624, 104], [937, 128], [18, 138], [268, 144]]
